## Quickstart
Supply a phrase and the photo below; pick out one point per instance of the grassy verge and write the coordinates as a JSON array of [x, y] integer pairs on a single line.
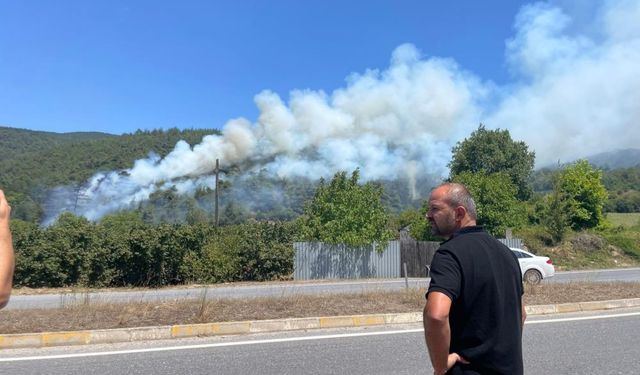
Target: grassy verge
[[102, 316], [626, 220], [593, 249]]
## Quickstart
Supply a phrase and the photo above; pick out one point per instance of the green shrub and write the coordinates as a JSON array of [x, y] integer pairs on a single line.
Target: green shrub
[[36, 265], [217, 261], [266, 250], [536, 238], [627, 241], [124, 251], [255, 251]]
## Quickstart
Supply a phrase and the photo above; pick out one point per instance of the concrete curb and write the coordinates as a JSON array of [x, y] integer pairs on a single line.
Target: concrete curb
[[104, 336], [582, 306]]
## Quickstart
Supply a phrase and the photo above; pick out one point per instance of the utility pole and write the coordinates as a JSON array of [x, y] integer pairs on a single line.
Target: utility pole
[[216, 207]]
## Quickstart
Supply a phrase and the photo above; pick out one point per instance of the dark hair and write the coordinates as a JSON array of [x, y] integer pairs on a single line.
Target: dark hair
[[458, 195]]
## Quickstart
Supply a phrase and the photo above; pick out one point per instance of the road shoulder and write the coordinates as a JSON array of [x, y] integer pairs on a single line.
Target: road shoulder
[[50, 339]]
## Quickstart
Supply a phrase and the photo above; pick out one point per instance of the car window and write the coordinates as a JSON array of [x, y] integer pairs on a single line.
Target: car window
[[521, 255]]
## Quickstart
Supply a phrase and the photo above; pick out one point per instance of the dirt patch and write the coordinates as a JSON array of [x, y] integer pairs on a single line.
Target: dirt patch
[[587, 242], [103, 316]]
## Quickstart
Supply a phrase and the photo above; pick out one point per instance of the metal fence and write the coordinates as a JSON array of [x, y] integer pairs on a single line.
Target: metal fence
[[512, 242], [316, 260]]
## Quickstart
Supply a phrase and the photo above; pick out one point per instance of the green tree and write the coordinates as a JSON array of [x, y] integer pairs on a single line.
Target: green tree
[[111, 258], [627, 201], [70, 240], [493, 151], [555, 216], [233, 213], [585, 194], [496, 203], [622, 179], [33, 263], [345, 212], [195, 214], [416, 220]]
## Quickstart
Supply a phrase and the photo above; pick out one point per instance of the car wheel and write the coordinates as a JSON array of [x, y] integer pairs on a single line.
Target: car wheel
[[532, 276]]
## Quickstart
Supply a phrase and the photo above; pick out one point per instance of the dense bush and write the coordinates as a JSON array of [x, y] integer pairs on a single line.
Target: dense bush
[[122, 250], [253, 251], [535, 237]]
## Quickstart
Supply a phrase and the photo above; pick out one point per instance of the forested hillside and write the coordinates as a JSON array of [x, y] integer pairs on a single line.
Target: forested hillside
[[34, 162], [43, 161], [619, 159], [622, 184], [14, 142], [620, 175]]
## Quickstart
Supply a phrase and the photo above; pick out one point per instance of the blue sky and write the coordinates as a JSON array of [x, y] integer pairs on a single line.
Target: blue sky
[[118, 66]]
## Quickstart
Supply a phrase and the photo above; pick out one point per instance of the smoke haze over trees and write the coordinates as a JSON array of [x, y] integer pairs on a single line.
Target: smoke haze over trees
[[574, 92]]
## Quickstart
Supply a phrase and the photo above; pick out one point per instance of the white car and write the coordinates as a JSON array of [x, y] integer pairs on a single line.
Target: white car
[[534, 268]]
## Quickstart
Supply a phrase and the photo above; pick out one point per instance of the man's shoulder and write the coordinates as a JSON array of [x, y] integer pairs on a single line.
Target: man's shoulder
[[468, 241], [467, 234]]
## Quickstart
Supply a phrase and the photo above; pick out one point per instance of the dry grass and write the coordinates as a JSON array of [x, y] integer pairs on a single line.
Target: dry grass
[[101, 316], [544, 294]]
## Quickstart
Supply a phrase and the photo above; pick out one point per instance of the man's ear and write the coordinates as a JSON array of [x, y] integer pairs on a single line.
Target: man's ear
[[461, 212]]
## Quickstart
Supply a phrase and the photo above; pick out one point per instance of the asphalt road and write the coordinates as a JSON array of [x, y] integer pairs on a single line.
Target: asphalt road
[[278, 289], [617, 274], [594, 343]]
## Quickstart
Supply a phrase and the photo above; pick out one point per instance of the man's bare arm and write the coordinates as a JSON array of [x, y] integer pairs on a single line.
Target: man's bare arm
[[6, 252], [437, 331]]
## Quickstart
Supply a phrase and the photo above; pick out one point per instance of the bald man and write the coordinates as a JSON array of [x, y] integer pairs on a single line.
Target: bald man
[[6, 252], [474, 313]]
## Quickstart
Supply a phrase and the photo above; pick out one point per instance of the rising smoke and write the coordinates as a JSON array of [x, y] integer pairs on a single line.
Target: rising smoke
[[579, 85], [575, 92]]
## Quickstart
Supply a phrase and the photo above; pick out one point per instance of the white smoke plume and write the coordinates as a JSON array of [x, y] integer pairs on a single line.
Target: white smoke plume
[[576, 92]]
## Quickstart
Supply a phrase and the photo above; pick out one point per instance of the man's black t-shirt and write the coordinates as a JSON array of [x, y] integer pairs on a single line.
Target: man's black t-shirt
[[482, 277]]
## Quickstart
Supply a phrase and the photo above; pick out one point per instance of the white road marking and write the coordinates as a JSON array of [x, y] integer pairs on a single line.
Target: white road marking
[[289, 339], [216, 345], [582, 318]]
